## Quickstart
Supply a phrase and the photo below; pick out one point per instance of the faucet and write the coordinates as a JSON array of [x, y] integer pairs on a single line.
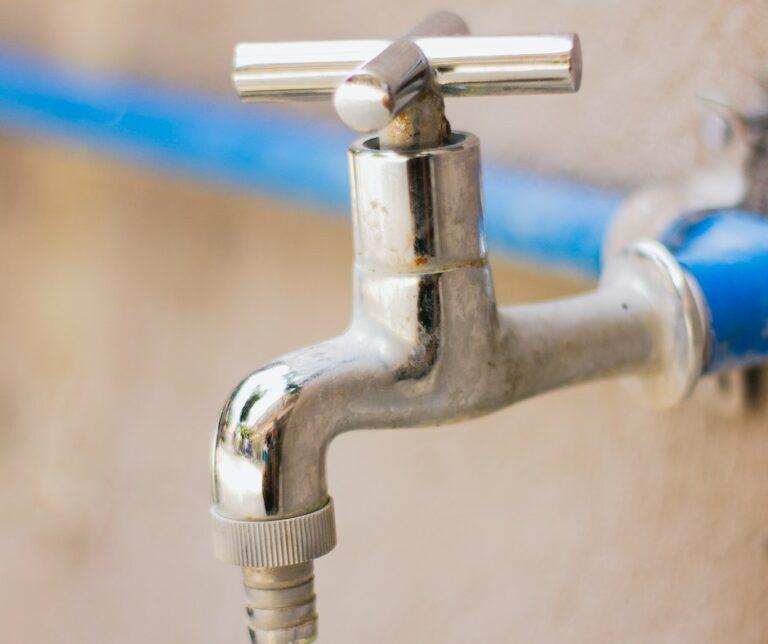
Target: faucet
[[427, 343]]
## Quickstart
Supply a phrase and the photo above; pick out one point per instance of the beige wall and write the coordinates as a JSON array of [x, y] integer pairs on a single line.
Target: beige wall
[[134, 302]]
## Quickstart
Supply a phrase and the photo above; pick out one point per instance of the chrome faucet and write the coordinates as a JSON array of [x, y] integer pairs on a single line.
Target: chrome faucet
[[427, 343]]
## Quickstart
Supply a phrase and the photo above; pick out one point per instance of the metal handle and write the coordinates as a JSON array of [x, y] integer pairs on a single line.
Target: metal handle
[[372, 81]]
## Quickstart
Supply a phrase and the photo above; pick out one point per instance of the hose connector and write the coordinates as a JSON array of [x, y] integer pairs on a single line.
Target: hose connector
[[274, 543], [281, 604]]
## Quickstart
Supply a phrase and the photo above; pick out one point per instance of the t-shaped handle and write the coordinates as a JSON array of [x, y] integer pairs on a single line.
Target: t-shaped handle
[[373, 81]]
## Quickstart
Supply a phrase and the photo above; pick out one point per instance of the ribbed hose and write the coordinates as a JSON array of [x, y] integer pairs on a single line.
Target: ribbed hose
[[281, 604]]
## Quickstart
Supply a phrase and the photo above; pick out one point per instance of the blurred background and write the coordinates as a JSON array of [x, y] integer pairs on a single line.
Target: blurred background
[[137, 293]]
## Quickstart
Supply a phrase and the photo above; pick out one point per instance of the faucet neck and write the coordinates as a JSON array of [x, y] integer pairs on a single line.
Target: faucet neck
[[417, 211]]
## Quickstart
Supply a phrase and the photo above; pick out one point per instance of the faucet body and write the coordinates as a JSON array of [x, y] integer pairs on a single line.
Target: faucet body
[[427, 345]]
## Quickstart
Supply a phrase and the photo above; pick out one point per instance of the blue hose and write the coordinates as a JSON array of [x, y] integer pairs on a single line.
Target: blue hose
[[727, 254]]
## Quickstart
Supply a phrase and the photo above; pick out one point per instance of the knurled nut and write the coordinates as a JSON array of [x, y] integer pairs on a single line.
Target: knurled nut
[[272, 543]]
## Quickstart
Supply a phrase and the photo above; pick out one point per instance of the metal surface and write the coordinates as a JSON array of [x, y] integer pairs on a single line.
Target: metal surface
[[427, 344], [732, 173], [373, 82], [682, 338], [464, 65], [371, 96], [394, 91], [280, 604], [397, 80]]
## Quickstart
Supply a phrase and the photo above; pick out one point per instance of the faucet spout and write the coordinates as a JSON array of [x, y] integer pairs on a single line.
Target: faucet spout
[[269, 451]]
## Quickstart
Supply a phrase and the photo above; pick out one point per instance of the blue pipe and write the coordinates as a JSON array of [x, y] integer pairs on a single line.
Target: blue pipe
[[547, 220], [727, 254], [544, 219]]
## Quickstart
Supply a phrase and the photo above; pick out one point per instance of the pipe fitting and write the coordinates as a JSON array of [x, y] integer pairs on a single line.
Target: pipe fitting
[[682, 339], [275, 543], [280, 604]]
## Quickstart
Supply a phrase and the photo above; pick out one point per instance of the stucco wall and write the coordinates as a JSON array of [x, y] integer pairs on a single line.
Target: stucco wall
[[135, 301]]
